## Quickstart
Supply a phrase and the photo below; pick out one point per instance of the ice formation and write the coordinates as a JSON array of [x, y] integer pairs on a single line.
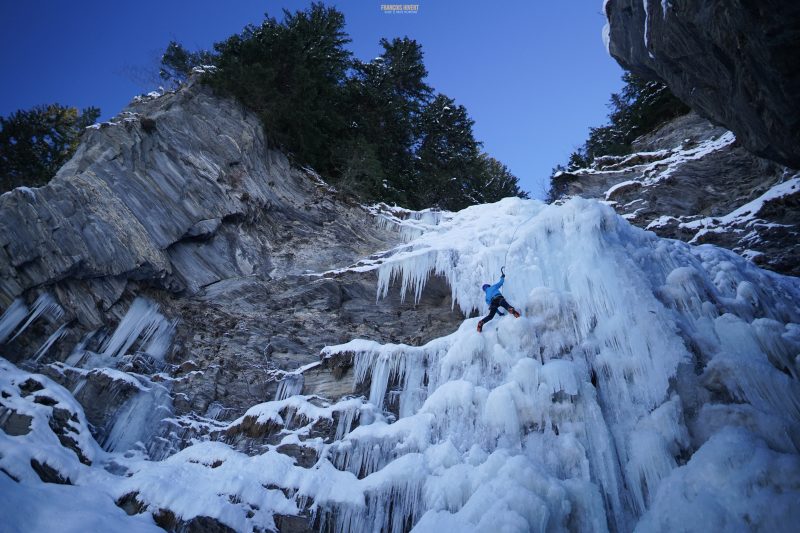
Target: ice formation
[[18, 312], [142, 323], [650, 385]]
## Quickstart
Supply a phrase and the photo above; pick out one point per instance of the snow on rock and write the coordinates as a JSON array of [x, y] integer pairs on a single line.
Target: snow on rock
[[410, 223], [693, 181], [69, 509], [746, 214], [648, 385], [667, 163], [41, 423]]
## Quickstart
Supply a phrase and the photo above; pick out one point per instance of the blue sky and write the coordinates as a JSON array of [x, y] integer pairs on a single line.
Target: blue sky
[[533, 74]]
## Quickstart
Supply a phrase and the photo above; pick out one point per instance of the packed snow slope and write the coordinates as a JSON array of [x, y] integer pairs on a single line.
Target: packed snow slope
[[650, 385]]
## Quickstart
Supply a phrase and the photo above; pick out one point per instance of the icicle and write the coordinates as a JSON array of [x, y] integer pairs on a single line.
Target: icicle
[[568, 417], [44, 305], [216, 411], [79, 350], [410, 224], [603, 459], [383, 370], [138, 422], [392, 500], [12, 317], [141, 321], [79, 386], [17, 311], [392, 363], [345, 423], [57, 334], [778, 349], [413, 273], [157, 338], [559, 375], [652, 448], [290, 385], [368, 448], [350, 412]]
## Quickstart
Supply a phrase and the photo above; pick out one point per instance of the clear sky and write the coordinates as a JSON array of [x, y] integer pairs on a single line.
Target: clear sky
[[534, 74]]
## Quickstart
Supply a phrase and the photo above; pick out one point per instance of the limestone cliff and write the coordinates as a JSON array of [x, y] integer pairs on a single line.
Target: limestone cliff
[[178, 246]]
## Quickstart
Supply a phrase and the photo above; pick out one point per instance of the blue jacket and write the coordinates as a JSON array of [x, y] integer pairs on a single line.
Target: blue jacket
[[494, 290]]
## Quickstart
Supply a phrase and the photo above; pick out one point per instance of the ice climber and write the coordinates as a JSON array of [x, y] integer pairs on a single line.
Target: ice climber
[[495, 300]]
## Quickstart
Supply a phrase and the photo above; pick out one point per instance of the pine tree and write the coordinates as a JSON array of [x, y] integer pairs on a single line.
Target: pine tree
[[291, 73], [35, 143], [446, 155], [385, 99], [491, 181], [177, 63], [641, 107]]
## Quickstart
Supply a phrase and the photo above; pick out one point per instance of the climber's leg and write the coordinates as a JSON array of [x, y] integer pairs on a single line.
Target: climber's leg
[[487, 318], [504, 304]]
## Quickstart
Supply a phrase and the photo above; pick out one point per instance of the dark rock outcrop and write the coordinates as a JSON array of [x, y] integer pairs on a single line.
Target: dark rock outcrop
[[732, 61], [693, 181]]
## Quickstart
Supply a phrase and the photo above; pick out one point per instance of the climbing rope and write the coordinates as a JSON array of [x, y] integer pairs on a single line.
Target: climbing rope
[[513, 236]]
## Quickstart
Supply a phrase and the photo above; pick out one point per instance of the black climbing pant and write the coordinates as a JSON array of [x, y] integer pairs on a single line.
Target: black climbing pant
[[497, 301]]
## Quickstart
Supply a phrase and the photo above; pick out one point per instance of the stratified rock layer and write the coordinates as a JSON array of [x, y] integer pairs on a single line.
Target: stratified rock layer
[[226, 243]]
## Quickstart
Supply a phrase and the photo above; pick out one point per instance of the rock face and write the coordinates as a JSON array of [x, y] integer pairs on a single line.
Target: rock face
[[694, 181], [197, 200], [733, 61], [182, 269]]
